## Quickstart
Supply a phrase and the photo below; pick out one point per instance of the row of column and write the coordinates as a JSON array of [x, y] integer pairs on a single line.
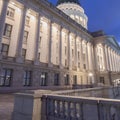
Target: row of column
[[112, 59], [36, 61]]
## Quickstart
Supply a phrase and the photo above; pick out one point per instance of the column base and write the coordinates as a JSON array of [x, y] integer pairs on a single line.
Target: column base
[[36, 62], [50, 65], [19, 60], [60, 66]]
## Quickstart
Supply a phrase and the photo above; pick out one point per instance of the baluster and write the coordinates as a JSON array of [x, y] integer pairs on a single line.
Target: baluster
[[63, 109], [58, 108], [75, 111], [69, 110], [81, 114], [118, 112]]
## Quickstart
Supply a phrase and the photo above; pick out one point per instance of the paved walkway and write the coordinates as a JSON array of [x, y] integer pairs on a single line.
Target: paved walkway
[[6, 106]]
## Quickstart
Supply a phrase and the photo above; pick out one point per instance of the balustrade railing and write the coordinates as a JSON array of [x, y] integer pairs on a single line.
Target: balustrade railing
[[80, 108]]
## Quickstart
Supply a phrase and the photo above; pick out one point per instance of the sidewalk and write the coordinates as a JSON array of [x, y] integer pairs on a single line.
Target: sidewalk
[[6, 106]]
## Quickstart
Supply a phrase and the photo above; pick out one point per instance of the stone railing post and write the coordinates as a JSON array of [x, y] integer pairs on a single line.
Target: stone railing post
[[29, 105]]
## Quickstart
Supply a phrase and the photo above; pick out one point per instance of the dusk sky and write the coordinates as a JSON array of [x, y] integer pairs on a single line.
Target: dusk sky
[[102, 15]]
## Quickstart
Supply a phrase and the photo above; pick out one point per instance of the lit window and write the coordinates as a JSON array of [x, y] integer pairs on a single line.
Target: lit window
[[23, 53], [27, 21], [10, 12], [43, 79], [5, 49], [6, 77], [7, 30], [27, 78], [25, 36]]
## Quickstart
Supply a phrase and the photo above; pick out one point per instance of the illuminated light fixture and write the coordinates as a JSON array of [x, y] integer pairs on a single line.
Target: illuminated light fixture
[[32, 17], [12, 3], [18, 10], [90, 74]]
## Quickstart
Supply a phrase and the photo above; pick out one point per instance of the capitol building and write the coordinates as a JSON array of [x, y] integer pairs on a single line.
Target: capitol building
[[46, 46]]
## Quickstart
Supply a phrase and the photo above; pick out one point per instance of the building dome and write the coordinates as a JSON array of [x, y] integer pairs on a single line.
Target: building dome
[[73, 9], [68, 1]]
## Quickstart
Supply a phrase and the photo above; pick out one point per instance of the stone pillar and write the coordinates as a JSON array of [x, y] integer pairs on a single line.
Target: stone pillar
[[69, 52], [21, 36], [92, 58], [2, 20], [36, 59], [87, 61], [104, 58], [50, 44], [60, 48], [81, 55], [107, 59], [110, 59], [30, 105], [76, 53]]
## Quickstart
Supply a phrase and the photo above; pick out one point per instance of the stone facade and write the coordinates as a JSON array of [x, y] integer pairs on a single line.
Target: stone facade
[[42, 47]]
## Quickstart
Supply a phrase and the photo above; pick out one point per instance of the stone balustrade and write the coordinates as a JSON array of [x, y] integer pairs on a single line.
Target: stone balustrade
[[49, 105]]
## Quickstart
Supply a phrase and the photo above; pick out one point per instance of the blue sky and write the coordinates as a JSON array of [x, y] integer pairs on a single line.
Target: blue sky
[[102, 15]]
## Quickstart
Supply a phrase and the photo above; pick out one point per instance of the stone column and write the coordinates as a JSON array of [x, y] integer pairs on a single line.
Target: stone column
[[21, 36], [2, 20], [104, 58], [60, 48], [92, 58], [81, 55], [36, 59], [69, 53], [76, 53], [87, 61], [50, 44], [110, 59]]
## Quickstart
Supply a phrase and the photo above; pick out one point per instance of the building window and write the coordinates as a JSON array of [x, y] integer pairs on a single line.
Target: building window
[[27, 78], [75, 79], [40, 42], [7, 30], [10, 12], [84, 58], [65, 62], [6, 77], [23, 53], [65, 50], [25, 36], [102, 80], [67, 81], [78, 55], [44, 79], [41, 27], [84, 66], [27, 20], [72, 53], [4, 50], [56, 79], [78, 64]]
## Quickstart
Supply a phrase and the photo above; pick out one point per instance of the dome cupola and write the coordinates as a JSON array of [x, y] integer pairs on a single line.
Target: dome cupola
[[73, 9], [68, 1]]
